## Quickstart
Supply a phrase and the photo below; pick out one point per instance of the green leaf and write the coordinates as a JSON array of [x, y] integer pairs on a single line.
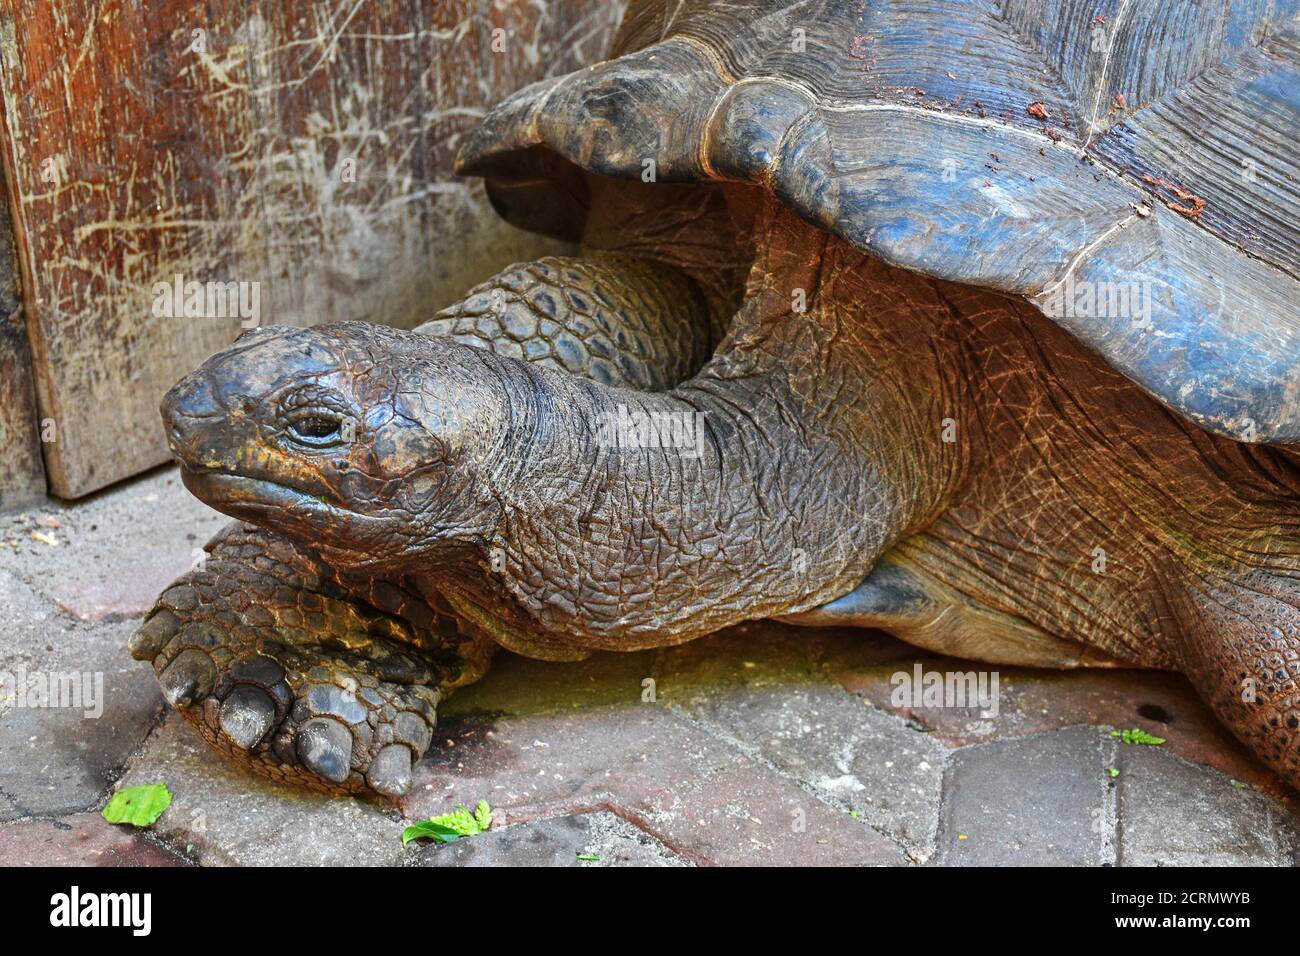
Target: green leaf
[[451, 826], [588, 857], [1137, 736], [138, 806], [428, 830], [1113, 772]]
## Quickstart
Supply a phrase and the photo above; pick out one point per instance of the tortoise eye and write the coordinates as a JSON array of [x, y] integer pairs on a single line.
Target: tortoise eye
[[318, 431], [316, 417]]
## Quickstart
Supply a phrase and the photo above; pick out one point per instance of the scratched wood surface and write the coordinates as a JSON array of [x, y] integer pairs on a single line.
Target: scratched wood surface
[[305, 147]]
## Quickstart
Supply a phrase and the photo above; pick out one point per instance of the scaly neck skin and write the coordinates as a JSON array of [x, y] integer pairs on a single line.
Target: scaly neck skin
[[781, 507]]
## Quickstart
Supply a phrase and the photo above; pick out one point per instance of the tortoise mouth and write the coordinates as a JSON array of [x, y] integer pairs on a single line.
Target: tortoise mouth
[[256, 499]]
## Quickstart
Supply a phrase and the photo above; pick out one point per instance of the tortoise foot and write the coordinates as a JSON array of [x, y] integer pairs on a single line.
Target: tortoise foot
[[279, 668], [322, 718]]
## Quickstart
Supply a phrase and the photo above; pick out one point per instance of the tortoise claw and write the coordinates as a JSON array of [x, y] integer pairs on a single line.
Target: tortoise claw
[[188, 679], [247, 714], [390, 771], [325, 748], [150, 638]]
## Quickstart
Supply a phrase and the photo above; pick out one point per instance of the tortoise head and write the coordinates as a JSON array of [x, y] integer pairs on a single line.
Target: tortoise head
[[368, 444]]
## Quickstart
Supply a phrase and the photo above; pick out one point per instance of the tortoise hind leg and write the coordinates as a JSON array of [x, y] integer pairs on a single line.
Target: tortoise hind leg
[[1240, 645], [900, 597]]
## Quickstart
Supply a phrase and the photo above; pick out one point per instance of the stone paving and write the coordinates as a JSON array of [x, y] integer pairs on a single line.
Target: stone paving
[[762, 745]]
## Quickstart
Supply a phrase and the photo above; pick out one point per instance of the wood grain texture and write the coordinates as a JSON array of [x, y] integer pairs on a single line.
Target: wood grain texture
[[304, 147]]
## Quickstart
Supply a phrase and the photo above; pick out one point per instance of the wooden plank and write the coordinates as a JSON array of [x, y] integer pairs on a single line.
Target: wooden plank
[[22, 478], [119, 149], [302, 149]]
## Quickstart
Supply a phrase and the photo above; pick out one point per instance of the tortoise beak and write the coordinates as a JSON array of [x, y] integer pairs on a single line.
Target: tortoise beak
[[188, 410]]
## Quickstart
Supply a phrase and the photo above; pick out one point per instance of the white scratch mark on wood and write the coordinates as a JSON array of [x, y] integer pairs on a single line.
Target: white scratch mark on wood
[[329, 48]]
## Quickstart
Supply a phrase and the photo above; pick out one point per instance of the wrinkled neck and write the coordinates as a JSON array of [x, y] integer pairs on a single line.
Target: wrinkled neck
[[758, 488]]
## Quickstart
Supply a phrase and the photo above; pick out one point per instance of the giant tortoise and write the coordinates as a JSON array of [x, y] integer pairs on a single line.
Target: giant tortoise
[[971, 321]]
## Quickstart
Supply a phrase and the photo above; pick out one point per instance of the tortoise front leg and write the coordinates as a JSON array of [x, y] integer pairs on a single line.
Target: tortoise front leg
[[299, 675], [615, 318]]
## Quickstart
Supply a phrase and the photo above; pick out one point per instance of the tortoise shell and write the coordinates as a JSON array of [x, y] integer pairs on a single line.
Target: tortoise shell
[[1127, 166]]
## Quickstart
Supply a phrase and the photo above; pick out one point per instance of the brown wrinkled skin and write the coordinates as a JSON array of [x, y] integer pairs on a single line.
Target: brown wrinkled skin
[[933, 459]]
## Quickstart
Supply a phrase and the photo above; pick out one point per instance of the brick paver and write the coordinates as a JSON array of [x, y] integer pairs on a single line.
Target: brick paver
[[83, 839], [1038, 801], [58, 759], [701, 797], [116, 551], [1036, 701], [1178, 814], [764, 690]]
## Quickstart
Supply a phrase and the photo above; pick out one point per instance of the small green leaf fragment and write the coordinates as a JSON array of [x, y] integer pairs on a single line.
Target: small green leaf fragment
[[138, 806], [1138, 736], [588, 857], [1112, 772], [451, 826]]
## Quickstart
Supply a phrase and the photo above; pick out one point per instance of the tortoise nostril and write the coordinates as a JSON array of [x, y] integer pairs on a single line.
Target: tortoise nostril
[[194, 396], [189, 406]]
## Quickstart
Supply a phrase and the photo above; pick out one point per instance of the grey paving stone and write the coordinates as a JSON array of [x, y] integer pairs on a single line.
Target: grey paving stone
[[1173, 813], [769, 695], [1033, 801], [611, 840], [231, 817], [58, 759], [116, 551]]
